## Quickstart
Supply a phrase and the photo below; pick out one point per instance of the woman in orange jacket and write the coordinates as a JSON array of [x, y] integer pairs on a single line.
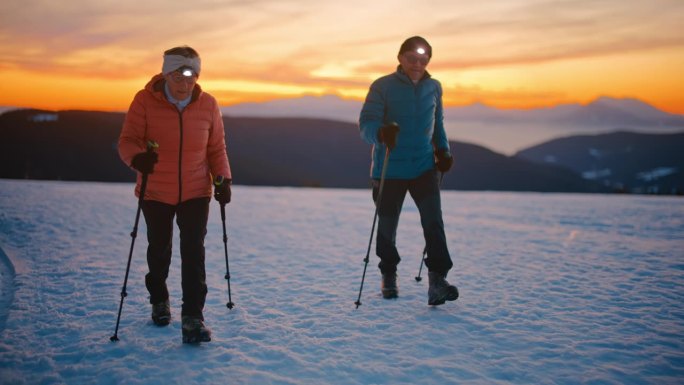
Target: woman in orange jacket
[[186, 124]]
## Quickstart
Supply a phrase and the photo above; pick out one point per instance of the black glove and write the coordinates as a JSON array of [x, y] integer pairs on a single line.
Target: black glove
[[388, 135], [222, 191], [444, 160], [145, 161]]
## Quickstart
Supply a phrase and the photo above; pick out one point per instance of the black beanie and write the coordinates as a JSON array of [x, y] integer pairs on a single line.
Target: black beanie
[[413, 43]]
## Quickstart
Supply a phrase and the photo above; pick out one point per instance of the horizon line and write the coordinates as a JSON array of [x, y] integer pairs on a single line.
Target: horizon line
[[6, 108]]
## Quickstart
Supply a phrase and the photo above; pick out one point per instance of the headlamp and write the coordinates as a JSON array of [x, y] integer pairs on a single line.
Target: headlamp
[[186, 71], [420, 50]]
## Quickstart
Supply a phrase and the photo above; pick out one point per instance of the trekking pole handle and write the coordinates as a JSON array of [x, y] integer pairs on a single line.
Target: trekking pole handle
[[219, 180], [152, 145]]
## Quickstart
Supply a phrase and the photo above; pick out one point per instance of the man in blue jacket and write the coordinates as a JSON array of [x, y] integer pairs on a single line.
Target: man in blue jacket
[[403, 114]]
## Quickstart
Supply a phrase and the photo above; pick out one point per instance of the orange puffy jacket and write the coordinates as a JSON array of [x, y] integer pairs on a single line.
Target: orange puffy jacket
[[192, 145]]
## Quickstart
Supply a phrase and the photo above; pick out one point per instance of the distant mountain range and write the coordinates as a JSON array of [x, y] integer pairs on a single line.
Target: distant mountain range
[[503, 130], [80, 145], [604, 111]]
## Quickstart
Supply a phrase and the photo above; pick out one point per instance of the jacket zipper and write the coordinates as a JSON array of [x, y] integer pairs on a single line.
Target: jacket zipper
[[180, 158]]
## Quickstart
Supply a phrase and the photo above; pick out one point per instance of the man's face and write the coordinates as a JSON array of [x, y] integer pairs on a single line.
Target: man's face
[[180, 86], [414, 64]]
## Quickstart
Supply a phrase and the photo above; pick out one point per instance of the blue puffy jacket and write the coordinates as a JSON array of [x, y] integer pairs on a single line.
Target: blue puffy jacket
[[418, 111]]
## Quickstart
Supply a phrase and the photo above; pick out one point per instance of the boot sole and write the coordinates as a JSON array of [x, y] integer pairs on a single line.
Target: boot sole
[[161, 321], [390, 293], [195, 337], [451, 296]]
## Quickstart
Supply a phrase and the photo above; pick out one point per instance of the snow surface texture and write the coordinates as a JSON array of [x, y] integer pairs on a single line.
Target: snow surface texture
[[555, 289]]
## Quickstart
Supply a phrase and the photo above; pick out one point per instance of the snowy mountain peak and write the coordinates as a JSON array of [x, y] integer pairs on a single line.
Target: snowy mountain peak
[[604, 111], [632, 106]]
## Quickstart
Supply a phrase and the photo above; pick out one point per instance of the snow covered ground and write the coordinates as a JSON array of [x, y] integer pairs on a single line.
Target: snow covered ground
[[555, 289]]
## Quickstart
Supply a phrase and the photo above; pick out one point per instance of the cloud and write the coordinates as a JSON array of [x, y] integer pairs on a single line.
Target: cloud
[[321, 44], [45, 35], [534, 32]]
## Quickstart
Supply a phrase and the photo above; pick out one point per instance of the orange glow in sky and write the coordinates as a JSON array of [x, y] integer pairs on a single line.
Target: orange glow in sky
[[95, 55]]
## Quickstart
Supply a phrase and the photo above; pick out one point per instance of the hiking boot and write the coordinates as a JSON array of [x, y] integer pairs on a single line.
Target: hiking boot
[[440, 290], [389, 286], [161, 313], [194, 330]]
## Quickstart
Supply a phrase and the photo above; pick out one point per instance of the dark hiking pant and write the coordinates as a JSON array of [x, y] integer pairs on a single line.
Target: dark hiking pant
[[191, 217], [425, 193]]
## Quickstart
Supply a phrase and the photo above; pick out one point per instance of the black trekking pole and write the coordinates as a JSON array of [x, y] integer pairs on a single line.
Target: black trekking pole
[[422, 260], [375, 217], [151, 145], [230, 304]]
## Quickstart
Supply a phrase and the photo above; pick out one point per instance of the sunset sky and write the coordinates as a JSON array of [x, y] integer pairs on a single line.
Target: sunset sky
[[95, 54]]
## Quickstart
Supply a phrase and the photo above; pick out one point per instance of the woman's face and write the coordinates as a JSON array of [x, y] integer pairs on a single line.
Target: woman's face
[[180, 85]]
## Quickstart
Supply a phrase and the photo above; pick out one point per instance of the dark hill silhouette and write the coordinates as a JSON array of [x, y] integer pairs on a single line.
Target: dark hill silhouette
[[477, 168], [81, 146], [626, 161], [65, 145]]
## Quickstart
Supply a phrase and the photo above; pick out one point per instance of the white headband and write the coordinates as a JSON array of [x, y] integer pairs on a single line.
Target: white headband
[[174, 62]]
